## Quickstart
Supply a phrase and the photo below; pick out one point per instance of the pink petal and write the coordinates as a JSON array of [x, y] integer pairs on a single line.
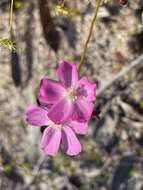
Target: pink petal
[[71, 144], [79, 128], [61, 111], [50, 91], [82, 110], [67, 74], [36, 115], [51, 139], [86, 89]]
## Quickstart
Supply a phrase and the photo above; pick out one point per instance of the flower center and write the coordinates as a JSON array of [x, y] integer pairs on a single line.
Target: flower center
[[71, 94], [56, 125]]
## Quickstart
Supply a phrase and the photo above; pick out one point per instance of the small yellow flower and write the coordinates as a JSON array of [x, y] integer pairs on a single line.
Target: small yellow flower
[[61, 10], [7, 43], [105, 1]]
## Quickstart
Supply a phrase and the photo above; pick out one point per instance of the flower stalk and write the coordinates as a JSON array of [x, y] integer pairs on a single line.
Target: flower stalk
[[89, 35], [63, 3], [11, 15]]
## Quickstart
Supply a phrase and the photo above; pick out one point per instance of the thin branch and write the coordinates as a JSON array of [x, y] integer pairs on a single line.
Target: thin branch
[[89, 35], [137, 63]]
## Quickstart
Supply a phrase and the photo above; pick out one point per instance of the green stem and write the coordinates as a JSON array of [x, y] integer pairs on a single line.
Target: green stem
[[11, 15], [89, 35]]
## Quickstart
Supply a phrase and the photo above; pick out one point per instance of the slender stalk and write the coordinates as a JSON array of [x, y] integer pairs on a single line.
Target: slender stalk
[[89, 35], [63, 3], [11, 15]]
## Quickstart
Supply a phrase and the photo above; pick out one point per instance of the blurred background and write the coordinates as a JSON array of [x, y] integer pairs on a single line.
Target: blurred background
[[112, 156]]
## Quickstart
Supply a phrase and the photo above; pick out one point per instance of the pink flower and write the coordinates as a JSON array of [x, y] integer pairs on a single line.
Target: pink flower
[[67, 98], [56, 134]]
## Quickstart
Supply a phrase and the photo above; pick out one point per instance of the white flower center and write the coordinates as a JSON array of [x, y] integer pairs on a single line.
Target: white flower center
[[51, 123], [58, 126], [71, 94]]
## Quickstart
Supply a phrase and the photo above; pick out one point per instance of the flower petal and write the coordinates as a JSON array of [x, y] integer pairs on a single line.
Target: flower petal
[[67, 74], [50, 91], [51, 139], [82, 110], [86, 89], [71, 143], [61, 111], [36, 115], [79, 128]]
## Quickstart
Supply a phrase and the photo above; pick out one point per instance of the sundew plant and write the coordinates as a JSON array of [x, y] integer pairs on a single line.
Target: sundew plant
[[66, 104]]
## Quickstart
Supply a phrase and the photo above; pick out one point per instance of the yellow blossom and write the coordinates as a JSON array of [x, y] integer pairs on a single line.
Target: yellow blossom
[[62, 10], [7, 43]]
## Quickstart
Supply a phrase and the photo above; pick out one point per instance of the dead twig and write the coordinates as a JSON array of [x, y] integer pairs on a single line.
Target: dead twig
[[137, 63]]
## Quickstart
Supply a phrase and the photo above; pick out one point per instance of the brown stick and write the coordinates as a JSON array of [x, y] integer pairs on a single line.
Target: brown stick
[[137, 63]]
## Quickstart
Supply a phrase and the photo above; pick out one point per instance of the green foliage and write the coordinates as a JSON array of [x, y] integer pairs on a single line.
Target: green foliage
[[132, 172], [92, 157], [8, 168], [22, 125], [141, 104], [18, 4]]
